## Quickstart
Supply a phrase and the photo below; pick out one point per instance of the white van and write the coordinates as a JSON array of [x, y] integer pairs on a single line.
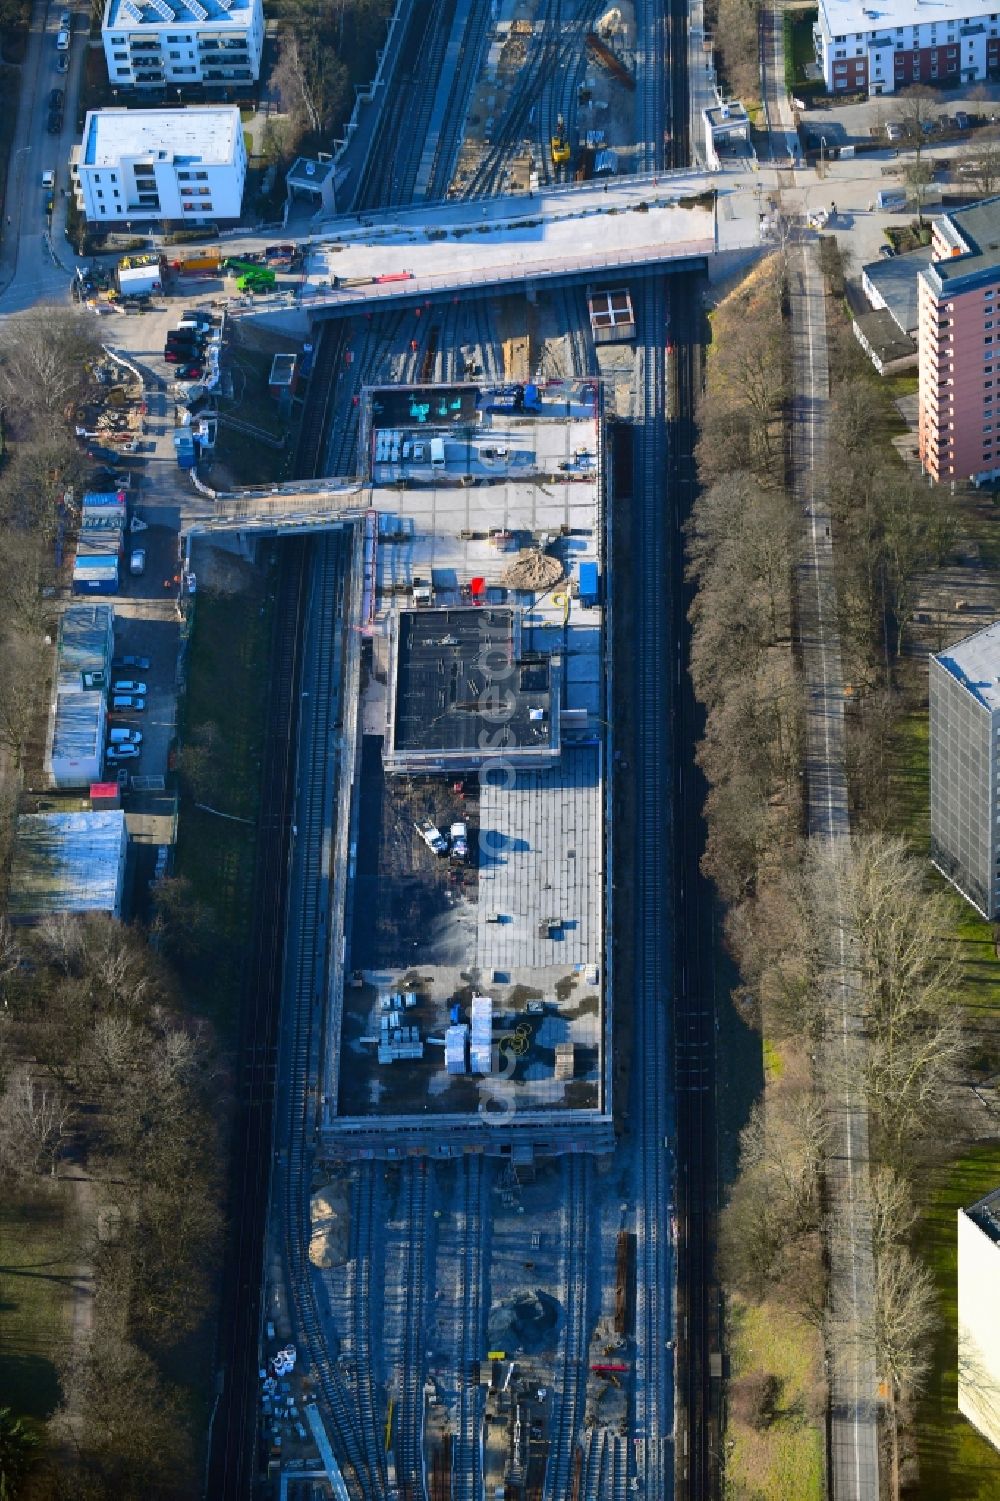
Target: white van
[[437, 453], [122, 735]]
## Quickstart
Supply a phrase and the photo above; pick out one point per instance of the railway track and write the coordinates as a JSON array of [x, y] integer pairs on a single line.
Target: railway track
[[410, 1377], [231, 1459], [695, 1015], [654, 671], [365, 1296], [394, 156], [304, 975], [572, 1387], [331, 339], [467, 1449], [369, 365]]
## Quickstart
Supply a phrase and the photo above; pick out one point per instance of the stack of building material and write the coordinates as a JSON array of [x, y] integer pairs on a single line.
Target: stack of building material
[[455, 1045], [481, 1047], [564, 1060], [398, 1043]]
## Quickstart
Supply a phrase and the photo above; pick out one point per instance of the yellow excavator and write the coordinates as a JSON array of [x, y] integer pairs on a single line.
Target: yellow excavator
[[560, 144]]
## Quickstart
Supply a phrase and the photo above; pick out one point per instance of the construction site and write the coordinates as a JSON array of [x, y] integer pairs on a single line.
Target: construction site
[[473, 1004]]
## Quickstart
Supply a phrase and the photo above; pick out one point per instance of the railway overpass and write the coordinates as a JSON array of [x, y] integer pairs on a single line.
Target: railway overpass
[[676, 221]]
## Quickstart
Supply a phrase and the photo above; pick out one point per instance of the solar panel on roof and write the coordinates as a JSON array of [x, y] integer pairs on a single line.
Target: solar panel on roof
[[197, 9], [226, 4], [163, 10], [132, 11]]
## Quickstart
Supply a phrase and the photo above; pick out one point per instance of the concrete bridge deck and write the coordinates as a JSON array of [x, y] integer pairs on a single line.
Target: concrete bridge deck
[[597, 228]]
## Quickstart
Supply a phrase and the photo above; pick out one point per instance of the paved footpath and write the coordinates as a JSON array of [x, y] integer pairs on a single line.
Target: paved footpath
[[853, 1407]]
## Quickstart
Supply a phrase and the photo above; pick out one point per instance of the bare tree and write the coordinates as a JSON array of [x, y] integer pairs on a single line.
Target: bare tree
[[979, 165], [43, 361], [904, 1317], [897, 931], [23, 668], [34, 1120]]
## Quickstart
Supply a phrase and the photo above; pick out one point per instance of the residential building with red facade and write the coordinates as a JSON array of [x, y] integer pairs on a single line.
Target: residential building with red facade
[[882, 49], [958, 338]]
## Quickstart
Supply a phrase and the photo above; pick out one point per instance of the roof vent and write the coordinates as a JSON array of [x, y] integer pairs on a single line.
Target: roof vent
[[310, 169]]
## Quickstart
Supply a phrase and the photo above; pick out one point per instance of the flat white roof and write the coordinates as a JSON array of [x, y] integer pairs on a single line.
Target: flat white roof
[[843, 17], [117, 17], [197, 134], [975, 662]]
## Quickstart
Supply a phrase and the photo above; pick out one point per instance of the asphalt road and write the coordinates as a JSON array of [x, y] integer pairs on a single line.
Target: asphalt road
[[29, 273]]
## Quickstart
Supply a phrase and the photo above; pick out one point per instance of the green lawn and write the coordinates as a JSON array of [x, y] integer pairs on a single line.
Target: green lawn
[[910, 778], [37, 1257], [226, 687], [955, 1463], [785, 1460]]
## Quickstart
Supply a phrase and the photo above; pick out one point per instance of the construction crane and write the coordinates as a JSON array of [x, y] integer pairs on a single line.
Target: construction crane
[[560, 144]]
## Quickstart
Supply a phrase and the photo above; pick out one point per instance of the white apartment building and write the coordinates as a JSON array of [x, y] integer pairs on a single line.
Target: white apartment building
[[140, 165], [878, 49], [979, 1316], [155, 43]]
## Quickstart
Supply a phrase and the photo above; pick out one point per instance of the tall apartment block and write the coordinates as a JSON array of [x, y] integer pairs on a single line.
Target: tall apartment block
[[150, 44], [904, 42], [979, 1315], [958, 338], [965, 767]]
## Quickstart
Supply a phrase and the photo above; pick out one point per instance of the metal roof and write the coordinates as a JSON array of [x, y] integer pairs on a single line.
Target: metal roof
[[67, 862]]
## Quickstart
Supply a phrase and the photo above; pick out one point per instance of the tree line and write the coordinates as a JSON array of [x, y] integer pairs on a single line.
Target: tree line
[[788, 905], [100, 1063]]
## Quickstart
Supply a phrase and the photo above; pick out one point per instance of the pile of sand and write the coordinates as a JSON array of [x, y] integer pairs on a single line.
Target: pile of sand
[[532, 569]]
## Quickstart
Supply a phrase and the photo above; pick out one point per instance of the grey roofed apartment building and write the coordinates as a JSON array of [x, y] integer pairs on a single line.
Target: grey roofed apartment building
[[965, 767]]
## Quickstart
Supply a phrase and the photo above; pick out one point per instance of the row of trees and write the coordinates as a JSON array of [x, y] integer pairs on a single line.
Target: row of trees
[[790, 907], [118, 1078], [44, 358]]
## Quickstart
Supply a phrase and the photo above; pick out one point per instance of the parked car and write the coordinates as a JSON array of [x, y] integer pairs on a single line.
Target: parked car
[[190, 372], [458, 836], [62, 63], [123, 734], [62, 41], [124, 703], [886, 252], [129, 685], [56, 99], [895, 132], [137, 562], [141, 664], [49, 178], [66, 21], [115, 753], [962, 121], [55, 123]]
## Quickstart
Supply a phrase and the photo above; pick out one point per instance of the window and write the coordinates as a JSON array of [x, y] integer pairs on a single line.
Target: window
[[174, 54], [121, 57], [841, 53]]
